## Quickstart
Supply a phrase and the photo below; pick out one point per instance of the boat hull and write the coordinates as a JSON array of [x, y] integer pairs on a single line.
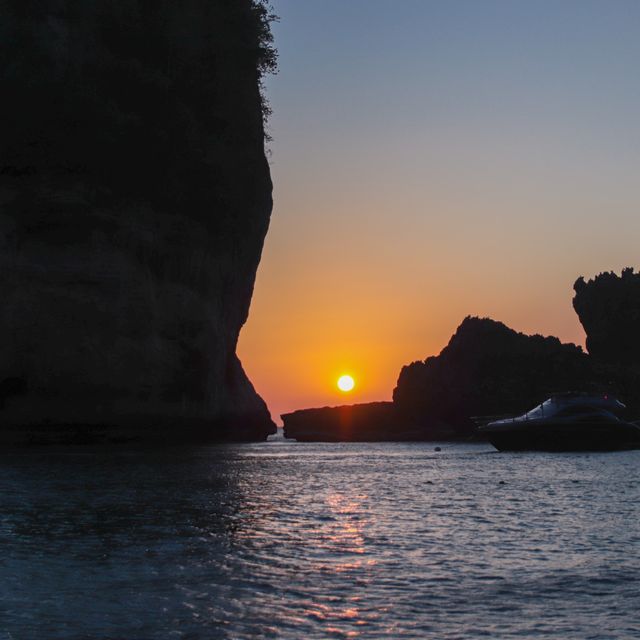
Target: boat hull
[[565, 437]]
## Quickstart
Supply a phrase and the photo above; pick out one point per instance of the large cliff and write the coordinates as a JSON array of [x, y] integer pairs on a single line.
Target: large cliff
[[134, 200]]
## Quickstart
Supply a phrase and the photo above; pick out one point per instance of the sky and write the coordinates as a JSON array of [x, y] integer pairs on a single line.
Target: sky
[[433, 160]]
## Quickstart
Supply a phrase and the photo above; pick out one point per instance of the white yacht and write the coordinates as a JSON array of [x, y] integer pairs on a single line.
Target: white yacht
[[566, 422]]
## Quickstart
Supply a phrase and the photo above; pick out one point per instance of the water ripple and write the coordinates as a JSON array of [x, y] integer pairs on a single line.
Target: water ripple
[[287, 540]]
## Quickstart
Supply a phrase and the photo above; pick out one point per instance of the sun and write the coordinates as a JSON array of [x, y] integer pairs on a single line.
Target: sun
[[346, 383]]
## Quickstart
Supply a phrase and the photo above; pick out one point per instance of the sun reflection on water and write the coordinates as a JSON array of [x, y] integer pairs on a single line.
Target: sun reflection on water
[[341, 540], [333, 541]]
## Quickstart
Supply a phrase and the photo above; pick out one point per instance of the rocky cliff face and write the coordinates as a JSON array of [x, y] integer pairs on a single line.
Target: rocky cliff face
[[134, 200], [609, 309], [489, 369]]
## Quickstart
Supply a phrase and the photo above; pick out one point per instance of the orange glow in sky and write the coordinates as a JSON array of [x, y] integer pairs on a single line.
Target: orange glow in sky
[[430, 164]]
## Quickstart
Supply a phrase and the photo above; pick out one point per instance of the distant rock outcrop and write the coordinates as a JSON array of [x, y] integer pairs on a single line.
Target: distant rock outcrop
[[489, 369], [134, 200], [609, 309], [369, 422]]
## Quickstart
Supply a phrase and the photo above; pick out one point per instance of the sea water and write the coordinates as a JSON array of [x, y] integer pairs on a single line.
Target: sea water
[[291, 540]]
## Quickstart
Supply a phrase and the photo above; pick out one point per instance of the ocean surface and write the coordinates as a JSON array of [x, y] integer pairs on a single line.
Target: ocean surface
[[292, 540]]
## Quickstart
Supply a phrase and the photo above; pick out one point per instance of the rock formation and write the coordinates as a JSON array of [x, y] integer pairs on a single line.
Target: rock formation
[[489, 369], [369, 422], [486, 369], [134, 200], [609, 309]]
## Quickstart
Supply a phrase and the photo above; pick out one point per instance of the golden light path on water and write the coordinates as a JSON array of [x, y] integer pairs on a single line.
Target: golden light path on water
[[315, 540]]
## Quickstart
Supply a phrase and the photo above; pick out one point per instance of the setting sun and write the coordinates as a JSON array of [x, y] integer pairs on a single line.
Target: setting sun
[[346, 383]]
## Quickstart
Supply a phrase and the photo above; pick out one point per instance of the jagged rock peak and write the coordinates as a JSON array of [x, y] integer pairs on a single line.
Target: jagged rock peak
[[608, 307], [488, 368]]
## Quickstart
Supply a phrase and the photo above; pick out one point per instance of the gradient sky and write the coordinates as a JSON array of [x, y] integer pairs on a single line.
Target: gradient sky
[[433, 160]]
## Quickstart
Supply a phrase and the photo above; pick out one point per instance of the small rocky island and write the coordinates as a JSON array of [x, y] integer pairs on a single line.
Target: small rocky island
[[136, 196], [367, 422], [489, 369]]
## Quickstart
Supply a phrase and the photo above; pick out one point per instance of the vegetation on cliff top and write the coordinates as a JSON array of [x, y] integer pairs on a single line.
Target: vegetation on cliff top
[[267, 55]]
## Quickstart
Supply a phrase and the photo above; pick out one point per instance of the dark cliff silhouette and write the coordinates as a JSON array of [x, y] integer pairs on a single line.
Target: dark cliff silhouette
[[135, 200], [487, 369], [609, 310]]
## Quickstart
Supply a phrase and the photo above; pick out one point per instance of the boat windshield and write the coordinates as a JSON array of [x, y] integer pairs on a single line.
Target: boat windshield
[[547, 408]]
